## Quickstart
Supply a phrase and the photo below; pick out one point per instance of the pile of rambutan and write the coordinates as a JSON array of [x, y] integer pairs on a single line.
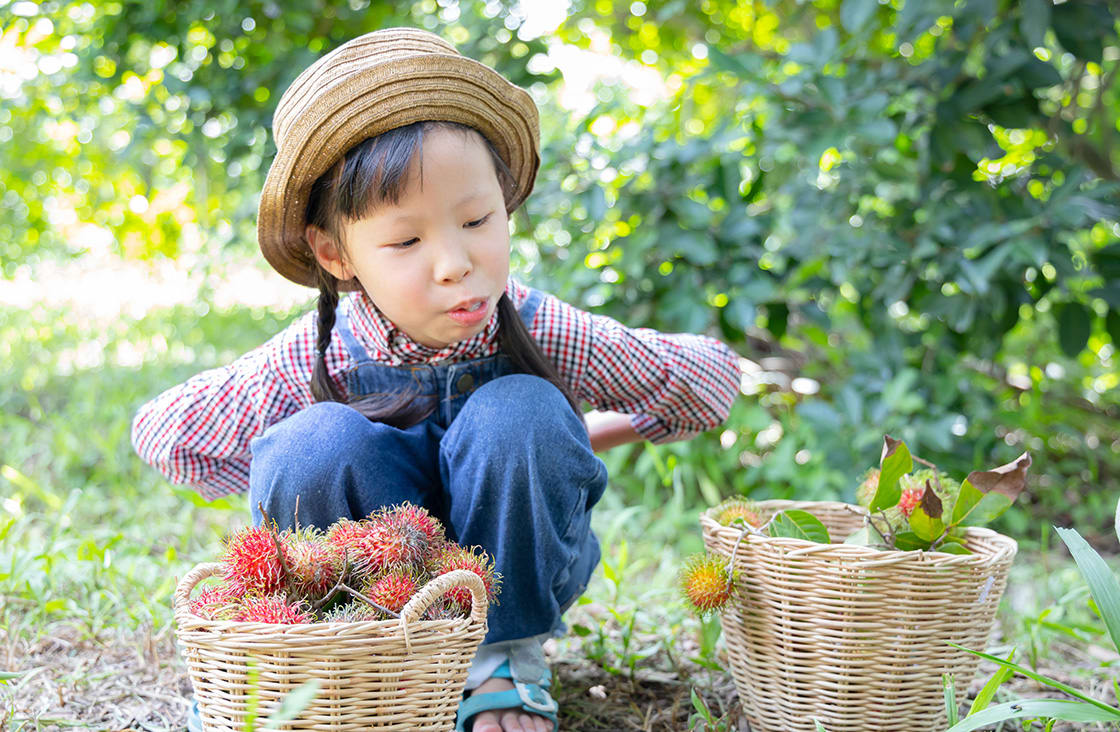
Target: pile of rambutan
[[354, 571]]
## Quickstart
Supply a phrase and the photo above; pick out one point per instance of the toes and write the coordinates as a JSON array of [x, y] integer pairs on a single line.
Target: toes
[[486, 722]]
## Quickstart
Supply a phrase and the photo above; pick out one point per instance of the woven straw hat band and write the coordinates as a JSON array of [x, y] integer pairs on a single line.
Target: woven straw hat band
[[373, 84]]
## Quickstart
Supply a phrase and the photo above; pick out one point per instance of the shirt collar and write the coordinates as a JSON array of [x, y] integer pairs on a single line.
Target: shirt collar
[[386, 341]]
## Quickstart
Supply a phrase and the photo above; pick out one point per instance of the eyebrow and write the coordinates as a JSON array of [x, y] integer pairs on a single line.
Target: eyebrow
[[461, 202]]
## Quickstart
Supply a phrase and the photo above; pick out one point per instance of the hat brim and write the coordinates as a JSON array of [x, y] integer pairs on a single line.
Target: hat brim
[[430, 87]]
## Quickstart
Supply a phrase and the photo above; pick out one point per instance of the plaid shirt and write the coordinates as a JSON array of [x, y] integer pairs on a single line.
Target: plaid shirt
[[673, 385]]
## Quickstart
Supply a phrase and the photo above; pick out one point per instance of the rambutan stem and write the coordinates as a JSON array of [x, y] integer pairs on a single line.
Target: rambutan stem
[[931, 466], [295, 514], [371, 603], [272, 531], [337, 585]]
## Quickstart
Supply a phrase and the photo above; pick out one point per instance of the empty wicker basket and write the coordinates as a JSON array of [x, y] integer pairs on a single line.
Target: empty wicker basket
[[384, 675], [854, 637]]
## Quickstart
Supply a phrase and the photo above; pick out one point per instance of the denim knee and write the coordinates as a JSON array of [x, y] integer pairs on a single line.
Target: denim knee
[[506, 406]]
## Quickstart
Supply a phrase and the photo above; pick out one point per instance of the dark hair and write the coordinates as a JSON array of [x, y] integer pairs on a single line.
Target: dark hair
[[372, 173]]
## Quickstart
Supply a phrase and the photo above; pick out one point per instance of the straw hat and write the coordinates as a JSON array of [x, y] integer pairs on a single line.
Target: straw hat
[[372, 84]]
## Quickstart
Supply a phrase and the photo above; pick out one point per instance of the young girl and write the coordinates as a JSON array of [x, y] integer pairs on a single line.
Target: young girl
[[439, 380]]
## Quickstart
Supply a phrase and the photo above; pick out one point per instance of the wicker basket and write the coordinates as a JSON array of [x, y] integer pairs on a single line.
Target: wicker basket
[[854, 637], [384, 675]]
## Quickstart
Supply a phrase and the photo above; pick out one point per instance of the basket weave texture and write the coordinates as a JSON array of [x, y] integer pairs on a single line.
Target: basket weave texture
[[405, 674], [854, 637]]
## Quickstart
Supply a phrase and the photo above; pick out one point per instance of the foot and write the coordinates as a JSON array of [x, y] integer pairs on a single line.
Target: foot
[[507, 720]]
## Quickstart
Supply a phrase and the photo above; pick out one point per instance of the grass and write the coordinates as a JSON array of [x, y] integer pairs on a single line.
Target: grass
[[92, 541]]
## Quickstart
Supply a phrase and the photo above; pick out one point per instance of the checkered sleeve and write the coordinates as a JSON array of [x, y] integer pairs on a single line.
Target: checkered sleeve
[[199, 432], [675, 385]]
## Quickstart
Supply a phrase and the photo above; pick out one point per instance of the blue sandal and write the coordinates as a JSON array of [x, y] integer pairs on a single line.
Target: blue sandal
[[533, 698]]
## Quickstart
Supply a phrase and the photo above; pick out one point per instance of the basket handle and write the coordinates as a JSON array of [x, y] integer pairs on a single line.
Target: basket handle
[[432, 591], [190, 579]]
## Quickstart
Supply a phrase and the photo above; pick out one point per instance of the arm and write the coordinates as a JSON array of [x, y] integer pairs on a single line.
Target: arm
[[610, 429], [669, 386], [198, 432]]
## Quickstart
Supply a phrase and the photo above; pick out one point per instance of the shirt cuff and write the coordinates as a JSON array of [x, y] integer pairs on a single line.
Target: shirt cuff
[[651, 428]]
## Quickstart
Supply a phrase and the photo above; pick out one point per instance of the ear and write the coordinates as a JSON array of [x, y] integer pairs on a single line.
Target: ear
[[328, 252]]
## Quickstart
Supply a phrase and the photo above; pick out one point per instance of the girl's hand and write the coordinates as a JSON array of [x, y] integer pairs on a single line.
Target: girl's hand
[[609, 429]]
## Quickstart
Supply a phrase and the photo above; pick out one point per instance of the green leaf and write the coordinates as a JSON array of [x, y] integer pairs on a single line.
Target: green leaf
[[6, 676], [855, 14], [986, 694], [295, 702], [1035, 21], [986, 494], [1103, 584], [925, 526], [953, 548], [1116, 521], [908, 541], [1031, 674], [894, 463], [863, 537], [797, 524], [1064, 709], [1074, 325]]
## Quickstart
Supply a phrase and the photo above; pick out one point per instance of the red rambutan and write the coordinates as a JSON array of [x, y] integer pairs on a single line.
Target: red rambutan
[[451, 556], [216, 602], [395, 588], [314, 566], [252, 561], [271, 609]]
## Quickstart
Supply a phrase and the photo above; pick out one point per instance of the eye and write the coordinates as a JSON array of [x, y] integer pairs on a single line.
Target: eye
[[477, 222], [405, 244]]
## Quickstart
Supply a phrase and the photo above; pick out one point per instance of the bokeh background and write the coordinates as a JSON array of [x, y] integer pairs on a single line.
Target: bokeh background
[[904, 216]]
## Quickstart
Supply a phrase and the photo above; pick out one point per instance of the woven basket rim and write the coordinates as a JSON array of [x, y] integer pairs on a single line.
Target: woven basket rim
[[1006, 546]]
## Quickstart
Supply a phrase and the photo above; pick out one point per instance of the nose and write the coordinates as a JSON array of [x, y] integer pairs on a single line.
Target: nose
[[452, 261]]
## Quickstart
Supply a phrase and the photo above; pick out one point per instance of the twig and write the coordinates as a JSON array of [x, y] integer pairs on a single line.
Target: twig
[[274, 533], [295, 514], [337, 585]]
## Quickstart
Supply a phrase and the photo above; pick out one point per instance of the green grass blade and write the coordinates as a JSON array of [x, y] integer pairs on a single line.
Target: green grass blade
[[984, 698], [1066, 710], [1053, 683], [1102, 582], [952, 711]]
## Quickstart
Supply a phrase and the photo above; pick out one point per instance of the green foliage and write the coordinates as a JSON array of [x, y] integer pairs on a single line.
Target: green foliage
[[927, 509], [903, 213], [1105, 588]]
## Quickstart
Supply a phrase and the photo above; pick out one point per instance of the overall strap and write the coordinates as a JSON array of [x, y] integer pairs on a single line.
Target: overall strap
[[528, 309], [342, 328]]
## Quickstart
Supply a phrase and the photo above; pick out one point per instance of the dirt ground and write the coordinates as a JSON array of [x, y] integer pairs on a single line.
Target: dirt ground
[[139, 683]]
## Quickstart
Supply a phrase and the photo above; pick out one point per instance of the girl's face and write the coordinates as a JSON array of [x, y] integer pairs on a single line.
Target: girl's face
[[436, 262]]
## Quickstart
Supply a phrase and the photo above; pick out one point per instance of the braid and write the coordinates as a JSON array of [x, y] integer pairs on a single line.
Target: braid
[[528, 358], [323, 387]]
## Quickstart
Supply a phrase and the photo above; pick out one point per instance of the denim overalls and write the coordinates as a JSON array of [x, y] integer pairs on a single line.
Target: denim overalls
[[503, 461]]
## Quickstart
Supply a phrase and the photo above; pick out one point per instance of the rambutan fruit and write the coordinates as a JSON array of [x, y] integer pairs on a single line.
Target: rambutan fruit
[[442, 609], [736, 508], [395, 588], [314, 566], [271, 609], [352, 612], [451, 556], [252, 560], [706, 582], [418, 519], [216, 602]]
